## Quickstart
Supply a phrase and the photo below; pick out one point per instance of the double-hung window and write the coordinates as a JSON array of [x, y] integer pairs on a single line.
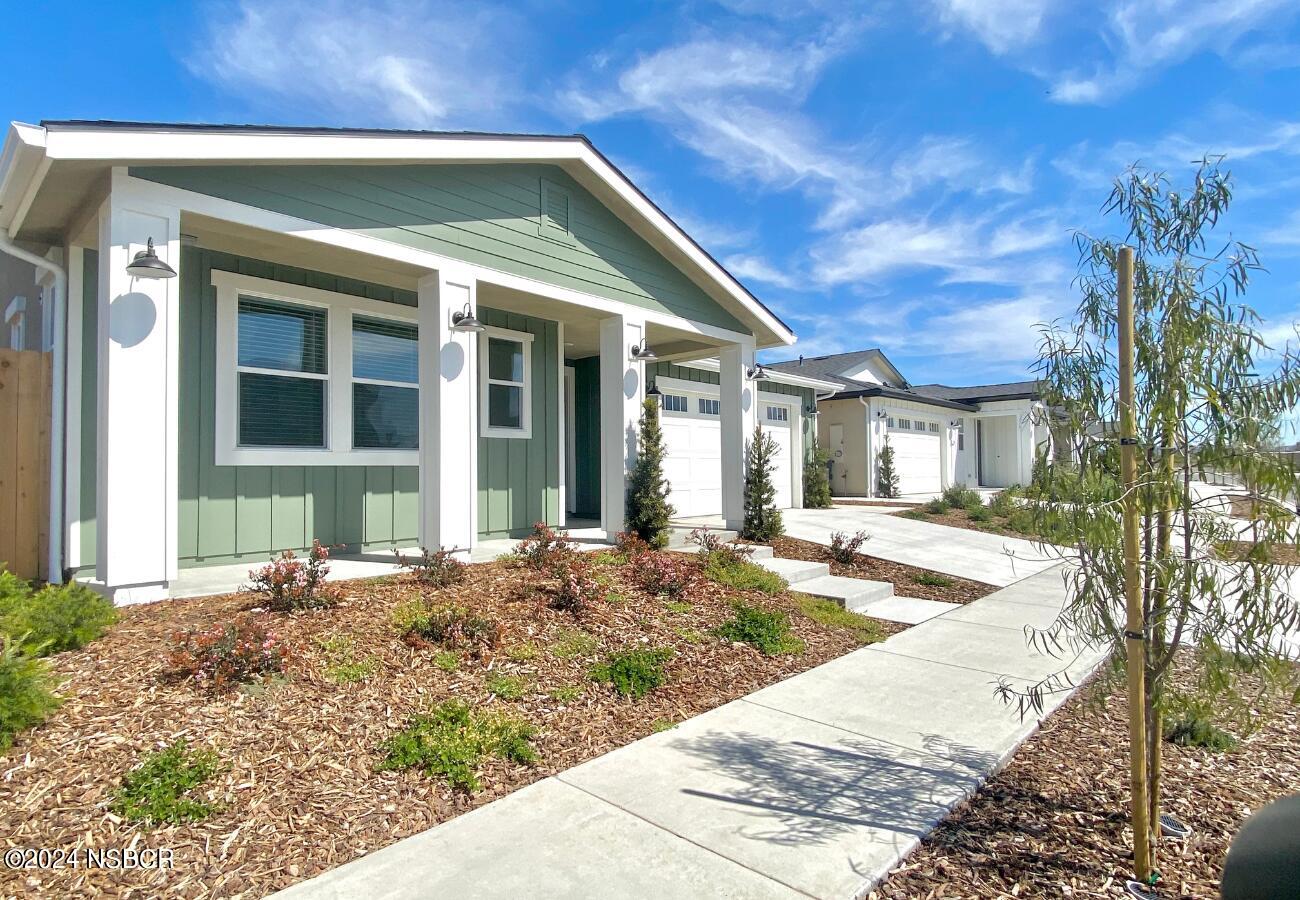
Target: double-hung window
[[505, 370], [283, 374], [709, 407], [385, 384]]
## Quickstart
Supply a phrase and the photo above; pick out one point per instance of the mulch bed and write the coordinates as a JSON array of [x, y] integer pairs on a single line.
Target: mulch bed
[[1053, 823], [1237, 551], [957, 518], [299, 793], [890, 503], [903, 577]]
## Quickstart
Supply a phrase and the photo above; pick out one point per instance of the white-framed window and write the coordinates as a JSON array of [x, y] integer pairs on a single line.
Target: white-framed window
[[890, 422], [778, 413], [309, 377], [709, 407], [506, 383], [674, 403], [904, 424], [934, 427]]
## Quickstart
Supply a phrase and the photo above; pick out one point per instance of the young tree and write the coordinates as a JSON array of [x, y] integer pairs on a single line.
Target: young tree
[[1200, 400], [816, 479], [648, 510], [762, 518], [886, 476]]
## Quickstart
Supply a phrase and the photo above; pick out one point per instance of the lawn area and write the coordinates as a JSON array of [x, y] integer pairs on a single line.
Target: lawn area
[[398, 707], [1053, 823]]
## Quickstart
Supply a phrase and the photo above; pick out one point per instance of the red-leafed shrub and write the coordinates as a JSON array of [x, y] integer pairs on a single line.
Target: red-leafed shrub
[[437, 568], [631, 546], [713, 547], [671, 574], [545, 548], [226, 654], [579, 587], [845, 548], [290, 582]]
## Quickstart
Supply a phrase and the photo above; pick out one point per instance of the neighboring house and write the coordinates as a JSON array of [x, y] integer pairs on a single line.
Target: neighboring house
[[375, 338], [979, 436]]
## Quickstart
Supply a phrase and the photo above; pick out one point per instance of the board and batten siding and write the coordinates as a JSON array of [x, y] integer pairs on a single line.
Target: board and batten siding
[[486, 214]]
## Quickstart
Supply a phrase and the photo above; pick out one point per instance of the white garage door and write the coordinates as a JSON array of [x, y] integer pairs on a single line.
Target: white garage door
[[775, 419], [916, 444], [693, 458]]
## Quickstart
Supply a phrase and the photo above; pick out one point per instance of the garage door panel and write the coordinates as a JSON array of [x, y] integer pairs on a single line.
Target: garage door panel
[[783, 460], [916, 459], [693, 462]]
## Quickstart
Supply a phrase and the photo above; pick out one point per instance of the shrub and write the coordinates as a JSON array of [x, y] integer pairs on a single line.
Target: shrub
[[507, 687], [832, 615], [648, 509], [979, 514], [919, 514], [451, 741], [1003, 503], [53, 619], [226, 654], [886, 475], [452, 627], [767, 631], [762, 519], [160, 791], [630, 545], [742, 575], [710, 543], [959, 496], [666, 574], [636, 672], [446, 660], [290, 583], [544, 548], [341, 662], [932, 579], [816, 478], [844, 549], [573, 642], [579, 589], [567, 693], [1195, 729], [937, 506], [26, 692], [525, 652], [439, 568]]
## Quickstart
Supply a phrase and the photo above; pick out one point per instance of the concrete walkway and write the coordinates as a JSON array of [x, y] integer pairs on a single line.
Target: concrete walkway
[[813, 787]]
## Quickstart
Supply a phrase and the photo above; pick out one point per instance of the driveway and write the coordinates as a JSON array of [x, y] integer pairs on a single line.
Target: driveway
[[990, 558]]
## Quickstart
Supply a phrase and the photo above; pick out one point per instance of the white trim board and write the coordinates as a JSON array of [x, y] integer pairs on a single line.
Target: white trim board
[[525, 339]]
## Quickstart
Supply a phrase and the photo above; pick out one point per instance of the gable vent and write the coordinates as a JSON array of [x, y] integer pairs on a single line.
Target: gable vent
[[556, 209]]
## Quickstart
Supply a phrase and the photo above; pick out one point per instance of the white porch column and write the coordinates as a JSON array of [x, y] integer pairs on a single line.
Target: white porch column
[[622, 388], [738, 415], [138, 343], [448, 414]]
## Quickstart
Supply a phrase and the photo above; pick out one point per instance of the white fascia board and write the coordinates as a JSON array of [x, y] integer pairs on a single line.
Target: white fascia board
[[193, 146], [712, 365], [23, 165]]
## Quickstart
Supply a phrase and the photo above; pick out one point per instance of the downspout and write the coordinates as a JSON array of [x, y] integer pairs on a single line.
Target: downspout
[[58, 342], [871, 456]]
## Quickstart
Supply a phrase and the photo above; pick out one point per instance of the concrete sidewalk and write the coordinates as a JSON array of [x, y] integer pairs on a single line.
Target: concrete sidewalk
[[813, 787]]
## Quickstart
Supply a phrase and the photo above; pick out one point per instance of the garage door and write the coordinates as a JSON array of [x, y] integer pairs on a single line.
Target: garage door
[[693, 458], [775, 419], [916, 454]]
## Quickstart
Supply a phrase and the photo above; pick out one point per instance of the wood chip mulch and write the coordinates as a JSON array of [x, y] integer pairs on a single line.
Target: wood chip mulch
[[1054, 822], [957, 518], [889, 503], [902, 576], [299, 793]]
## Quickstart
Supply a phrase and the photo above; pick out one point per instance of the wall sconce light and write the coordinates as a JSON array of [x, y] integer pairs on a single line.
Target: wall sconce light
[[954, 424], [654, 391], [642, 353], [147, 265], [882, 414], [466, 321], [757, 373]]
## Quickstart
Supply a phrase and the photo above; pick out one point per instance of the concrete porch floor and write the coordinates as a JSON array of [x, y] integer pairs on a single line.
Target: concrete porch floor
[[207, 580]]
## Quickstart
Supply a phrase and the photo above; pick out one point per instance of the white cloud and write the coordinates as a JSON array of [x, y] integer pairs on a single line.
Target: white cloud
[[418, 65], [1001, 25], [751, 267]]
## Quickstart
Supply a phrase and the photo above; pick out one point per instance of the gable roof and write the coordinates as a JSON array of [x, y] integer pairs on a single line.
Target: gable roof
[[830, 366], [1007, 390], [30, 151]]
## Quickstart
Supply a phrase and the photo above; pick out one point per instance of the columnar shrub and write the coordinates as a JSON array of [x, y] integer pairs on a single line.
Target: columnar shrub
[[886, 475], [545, 548], [648, 510], [762, 518], [226, 654], [26, 692], [668, 574], [291, 583], [436, 568], [816, 478], [53, 619], [844, 548]]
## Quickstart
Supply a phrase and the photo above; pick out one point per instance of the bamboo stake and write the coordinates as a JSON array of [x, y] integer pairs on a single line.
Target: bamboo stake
[[1135, 631]]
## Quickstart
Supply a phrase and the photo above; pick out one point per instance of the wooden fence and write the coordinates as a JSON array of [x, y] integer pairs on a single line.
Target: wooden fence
[[24, 461]]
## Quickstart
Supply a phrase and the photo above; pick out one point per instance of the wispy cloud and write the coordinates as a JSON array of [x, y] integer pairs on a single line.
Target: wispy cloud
[[1001, 25]]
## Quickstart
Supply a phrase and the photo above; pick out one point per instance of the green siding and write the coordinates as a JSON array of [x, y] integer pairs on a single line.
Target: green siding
[[586, 437], [87, 534], [484, 214], [234, 513], [518, 479]]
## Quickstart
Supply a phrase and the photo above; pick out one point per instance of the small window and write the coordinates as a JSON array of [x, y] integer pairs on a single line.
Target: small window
[[961, 434], [708, 407], [674, 403], [778, 414], [506, 394], [904, 424], [934, 427], [385, 385], [890, 422], [281, 365]]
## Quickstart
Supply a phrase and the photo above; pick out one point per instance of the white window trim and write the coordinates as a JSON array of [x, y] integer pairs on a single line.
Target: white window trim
[[526, 340], [338, 450]]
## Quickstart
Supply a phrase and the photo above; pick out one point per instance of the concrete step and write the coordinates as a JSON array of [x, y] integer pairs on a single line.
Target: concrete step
[[759, 551], [851, 593], [908, 610], [679, 537], [795, 571]]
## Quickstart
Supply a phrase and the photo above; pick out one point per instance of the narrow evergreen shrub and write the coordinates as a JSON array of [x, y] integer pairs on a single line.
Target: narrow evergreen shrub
[[53, 619], [762, 518], [26, 692], [886, 475], [816, 478], [648, 509]]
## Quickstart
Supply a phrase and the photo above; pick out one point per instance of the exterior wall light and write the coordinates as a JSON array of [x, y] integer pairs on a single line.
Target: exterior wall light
[[654, 391], [147, 265], [641, 352], [757, 373], [465, 321]]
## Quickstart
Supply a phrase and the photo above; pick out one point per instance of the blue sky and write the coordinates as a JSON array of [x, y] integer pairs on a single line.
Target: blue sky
[[901, 175]]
